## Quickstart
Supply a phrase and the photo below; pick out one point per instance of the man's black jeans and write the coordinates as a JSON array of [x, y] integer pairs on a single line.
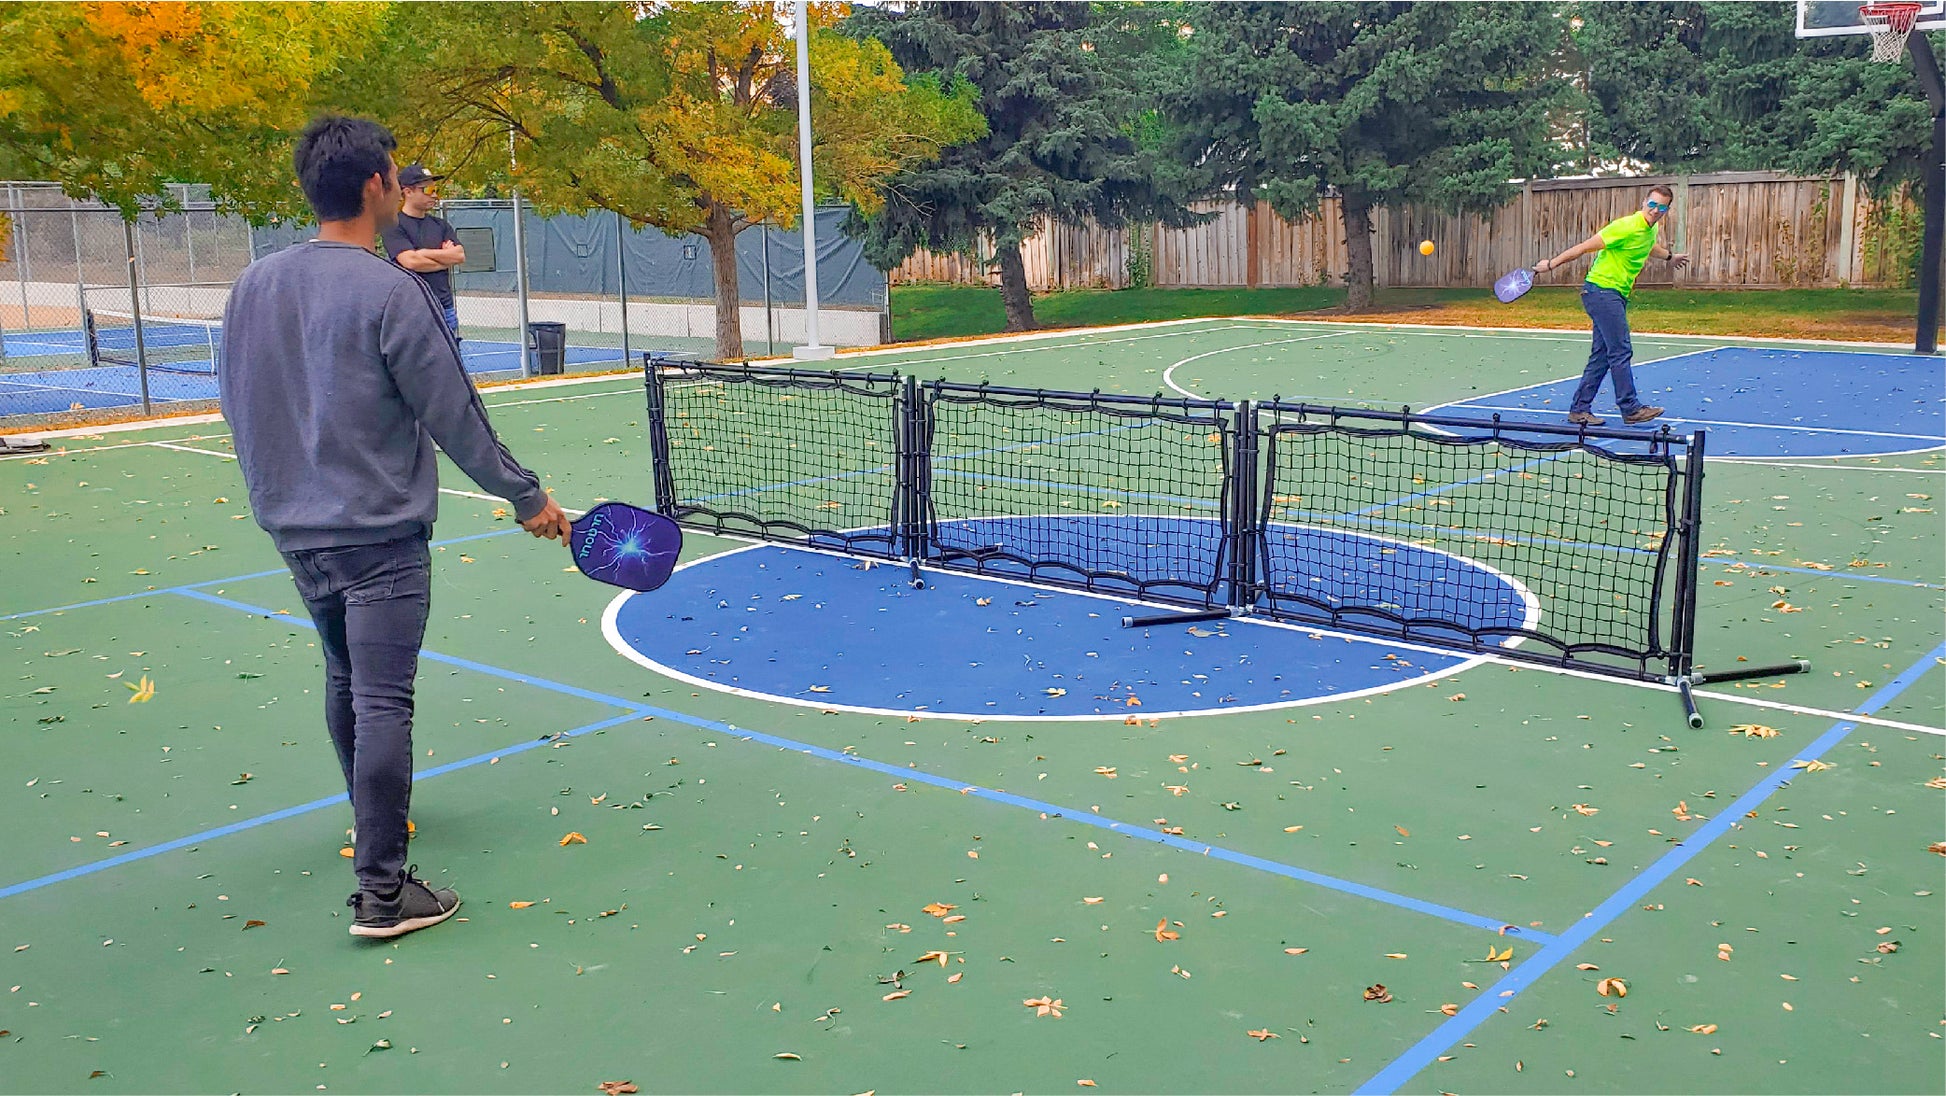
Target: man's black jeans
[[370, 603]]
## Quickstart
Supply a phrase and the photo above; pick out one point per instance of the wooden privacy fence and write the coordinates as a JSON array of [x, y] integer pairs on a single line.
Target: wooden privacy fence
[[1746, 229]]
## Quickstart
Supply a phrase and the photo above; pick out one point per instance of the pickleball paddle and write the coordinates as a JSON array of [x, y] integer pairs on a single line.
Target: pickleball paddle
[[625, 546]]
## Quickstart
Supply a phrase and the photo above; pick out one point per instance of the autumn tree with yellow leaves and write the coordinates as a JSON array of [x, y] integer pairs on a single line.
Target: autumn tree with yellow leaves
[[681, 117], [117, 100]]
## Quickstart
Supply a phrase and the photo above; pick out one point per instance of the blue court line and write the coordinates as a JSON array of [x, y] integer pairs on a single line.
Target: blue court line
[[634, 710], [1495, 997], [288, 812], [83, 604]]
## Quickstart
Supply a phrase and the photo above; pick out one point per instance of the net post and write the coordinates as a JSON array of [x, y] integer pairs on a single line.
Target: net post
[[919, 471], [1689, 528], [1243, 527], [665, 485], [135, 308], [905, 494]]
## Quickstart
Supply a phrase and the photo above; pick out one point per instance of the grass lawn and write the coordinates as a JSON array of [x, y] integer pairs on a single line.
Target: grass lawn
[[922, 312]]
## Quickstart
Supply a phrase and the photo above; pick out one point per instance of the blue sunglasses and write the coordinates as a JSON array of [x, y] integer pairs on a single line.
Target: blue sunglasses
[[1659, 207]]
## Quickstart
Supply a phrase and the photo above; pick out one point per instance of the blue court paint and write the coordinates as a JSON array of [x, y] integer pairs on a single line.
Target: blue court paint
[[95, 388], [1494, 998], [1768, 403], [819, 631]]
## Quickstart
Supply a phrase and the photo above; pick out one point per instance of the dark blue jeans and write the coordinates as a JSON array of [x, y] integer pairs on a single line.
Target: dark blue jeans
[[370, 602], [1611, 353]]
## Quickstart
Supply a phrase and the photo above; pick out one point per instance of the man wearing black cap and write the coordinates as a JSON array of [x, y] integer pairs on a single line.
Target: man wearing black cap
[[423, 243]]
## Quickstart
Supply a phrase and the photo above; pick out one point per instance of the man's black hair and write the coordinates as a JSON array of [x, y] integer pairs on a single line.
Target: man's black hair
[[335, 155]]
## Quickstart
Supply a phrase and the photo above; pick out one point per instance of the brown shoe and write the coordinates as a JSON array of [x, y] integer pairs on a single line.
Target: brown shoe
[[1641, 415], [1583, 418]]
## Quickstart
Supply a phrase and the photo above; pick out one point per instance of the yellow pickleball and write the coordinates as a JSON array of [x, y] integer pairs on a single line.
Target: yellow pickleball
[[1425, 247]]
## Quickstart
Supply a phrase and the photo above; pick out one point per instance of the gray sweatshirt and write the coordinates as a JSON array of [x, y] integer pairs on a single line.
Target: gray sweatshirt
[[337, 375]]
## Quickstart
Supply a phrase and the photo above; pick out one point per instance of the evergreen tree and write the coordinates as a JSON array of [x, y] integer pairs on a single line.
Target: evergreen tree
[[1061, 138], [1380, 103]]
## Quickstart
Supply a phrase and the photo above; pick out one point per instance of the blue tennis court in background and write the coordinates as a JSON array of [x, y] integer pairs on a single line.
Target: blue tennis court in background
[[102, 387], [1770, 403]]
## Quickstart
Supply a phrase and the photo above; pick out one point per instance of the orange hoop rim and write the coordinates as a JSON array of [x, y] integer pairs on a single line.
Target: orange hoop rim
[[1899, 15]]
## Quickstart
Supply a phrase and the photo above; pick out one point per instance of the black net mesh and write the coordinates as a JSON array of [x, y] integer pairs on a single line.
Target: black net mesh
[[1469, 534], [810, 458], [1108, 493]]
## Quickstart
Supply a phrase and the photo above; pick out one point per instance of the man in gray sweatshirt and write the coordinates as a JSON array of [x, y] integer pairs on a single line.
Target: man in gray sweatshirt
[[338, 375]]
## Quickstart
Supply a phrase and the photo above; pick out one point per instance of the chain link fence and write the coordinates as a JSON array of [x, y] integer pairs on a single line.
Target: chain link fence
[[103, 319]]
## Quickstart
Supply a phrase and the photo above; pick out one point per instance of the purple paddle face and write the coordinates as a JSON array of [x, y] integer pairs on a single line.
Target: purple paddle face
[[1512, 284], [625, 546]]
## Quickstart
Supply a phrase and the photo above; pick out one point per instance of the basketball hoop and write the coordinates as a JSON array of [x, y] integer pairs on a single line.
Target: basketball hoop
[[1890, 21]]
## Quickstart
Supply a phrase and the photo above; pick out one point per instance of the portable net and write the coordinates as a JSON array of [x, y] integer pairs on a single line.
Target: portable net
[[172, 344]]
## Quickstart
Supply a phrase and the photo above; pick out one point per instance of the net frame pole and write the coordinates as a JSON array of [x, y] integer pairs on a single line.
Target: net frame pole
[[1243, 524], [812, 348], [135, 309], [665, 485], [80, 274]]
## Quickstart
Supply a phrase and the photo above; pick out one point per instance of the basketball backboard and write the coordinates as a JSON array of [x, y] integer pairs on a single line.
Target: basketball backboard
[[1824, 18]]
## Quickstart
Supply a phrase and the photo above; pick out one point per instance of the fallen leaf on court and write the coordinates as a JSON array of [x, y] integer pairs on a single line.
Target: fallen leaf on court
[[1395, 955], [1938, 847], [1811, 766], [1703, 1029], [1612, 987], [1403, 832], [1057, 692], [937, 909], [1584, 809], [144, 691], [1888, 947], [247, 925], [931, 956], [1134, 702], [1754, 730], [1681, 811], [982, 601], [1295, 951], [1449, 1009], [1457, 697], [820, 688], [1177, 759], [1201, 633], [466, 559], [955, 977], [1499, 956], [1105, 770], [1164, 934], [573, 838], [279, 970], [518, 905], [1091, 901], [1044, 1006], [1586, 966], [896, 995], [1263, 1033], [1378, 993], [617, 1088]]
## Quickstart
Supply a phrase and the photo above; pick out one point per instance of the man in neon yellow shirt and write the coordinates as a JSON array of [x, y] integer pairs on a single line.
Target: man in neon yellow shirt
[[1626, 244]]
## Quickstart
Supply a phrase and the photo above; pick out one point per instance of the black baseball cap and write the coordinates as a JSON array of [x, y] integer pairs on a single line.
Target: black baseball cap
[[417, 175]]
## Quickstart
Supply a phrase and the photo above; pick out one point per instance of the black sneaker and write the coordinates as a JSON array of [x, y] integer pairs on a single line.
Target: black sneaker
[[416, 906]]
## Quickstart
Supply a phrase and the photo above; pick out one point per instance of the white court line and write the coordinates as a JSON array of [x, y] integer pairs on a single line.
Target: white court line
[[1821, 713], [442, 490], [1828, 467], [1168, 375], [1743, 425]]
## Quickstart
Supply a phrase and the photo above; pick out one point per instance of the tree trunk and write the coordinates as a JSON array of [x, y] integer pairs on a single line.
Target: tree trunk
[[720, 230], [1013, 289], [1358, 248]]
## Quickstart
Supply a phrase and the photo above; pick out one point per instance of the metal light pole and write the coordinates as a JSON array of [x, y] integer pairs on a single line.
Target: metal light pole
[[812, 350]]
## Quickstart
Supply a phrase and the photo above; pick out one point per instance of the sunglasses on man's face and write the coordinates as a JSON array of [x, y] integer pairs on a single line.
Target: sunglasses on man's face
[[1658, 207]]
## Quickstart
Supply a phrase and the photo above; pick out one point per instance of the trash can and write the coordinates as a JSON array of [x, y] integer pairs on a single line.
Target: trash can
[[549, 342]]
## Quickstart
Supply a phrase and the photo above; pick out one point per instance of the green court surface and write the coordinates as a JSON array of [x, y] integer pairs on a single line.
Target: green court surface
[[776, 897]]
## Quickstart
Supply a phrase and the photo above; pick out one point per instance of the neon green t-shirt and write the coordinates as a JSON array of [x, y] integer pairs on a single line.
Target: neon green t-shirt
[[1629, 240]]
